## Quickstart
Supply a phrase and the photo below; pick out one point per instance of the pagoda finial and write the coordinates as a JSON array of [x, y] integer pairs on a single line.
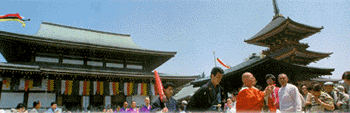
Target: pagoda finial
[[276, 10]]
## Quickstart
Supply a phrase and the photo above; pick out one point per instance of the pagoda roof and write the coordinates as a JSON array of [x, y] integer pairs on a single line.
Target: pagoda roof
[[306, 55], [277, 25], [262, 66]]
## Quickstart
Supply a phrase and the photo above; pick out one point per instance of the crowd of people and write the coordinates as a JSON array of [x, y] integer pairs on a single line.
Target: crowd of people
[[21, 108], [311, 97], [211, 97]]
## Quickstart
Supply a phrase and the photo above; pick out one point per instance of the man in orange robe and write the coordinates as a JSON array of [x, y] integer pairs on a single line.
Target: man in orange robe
[[250, 98]]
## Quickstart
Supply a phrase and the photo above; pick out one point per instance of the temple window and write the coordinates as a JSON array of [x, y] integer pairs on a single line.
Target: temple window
[[75, 62], [94, 63], [114, 65], [132, 66], [46, 59]]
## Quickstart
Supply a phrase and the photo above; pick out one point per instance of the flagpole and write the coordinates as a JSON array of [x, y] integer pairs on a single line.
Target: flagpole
[[214, 58]]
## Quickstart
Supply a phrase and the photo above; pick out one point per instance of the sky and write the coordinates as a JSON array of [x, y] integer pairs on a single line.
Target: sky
[[194, 28]]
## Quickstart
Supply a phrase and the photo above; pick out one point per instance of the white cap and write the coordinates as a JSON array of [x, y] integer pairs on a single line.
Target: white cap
[[328, 83], [340, 88], [184, 102]]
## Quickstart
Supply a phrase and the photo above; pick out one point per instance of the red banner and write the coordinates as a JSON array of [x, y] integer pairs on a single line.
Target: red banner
[[113, 87], [11, 15], [98, 88], [84, 88], [159, 86], [228, 67], [26, 84], [67, 85]]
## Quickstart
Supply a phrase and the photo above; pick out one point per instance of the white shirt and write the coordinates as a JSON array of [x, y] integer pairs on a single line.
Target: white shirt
[[290, 100], [33, 111]]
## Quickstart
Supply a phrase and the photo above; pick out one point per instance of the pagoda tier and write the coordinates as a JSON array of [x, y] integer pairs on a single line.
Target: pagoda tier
[[296, 55], [281, 30]]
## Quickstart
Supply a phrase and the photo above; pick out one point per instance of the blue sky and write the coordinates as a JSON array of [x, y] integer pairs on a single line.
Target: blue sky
[[194, 28]]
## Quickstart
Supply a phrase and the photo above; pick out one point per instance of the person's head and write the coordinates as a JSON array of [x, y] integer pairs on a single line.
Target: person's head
[[168, 89], [118, 108], [346, 77], [125, 104], [283, 79], [270, 79], [21, 107], [133, 104], [234, 95], [328, 87], [216, 75], [341, 88], [36, 104], [53, 105], [254, 83], [147, 101], [248, 79], [303, 88], [181, 107], [316, 90], [229, 101]]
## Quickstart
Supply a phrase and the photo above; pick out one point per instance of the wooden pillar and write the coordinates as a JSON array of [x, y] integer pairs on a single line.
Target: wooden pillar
[[124, 63], [57, 89], [91, 94]]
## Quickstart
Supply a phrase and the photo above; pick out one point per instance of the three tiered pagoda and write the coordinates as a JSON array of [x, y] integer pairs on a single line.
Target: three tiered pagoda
[[282, 36]]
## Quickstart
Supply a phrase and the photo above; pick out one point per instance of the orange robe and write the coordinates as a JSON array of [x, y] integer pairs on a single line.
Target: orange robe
[[250, 99], [273, 101]]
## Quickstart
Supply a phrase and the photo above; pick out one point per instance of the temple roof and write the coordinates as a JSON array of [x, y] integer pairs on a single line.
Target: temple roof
[[277, 25], [306, 55], [320, 79], [68, 33], [186, 92]]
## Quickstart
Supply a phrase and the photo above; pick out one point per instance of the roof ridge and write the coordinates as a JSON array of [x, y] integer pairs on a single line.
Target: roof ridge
[[66, 26]]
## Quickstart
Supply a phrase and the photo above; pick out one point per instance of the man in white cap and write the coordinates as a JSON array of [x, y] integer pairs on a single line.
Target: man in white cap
[[184, 103], [343, 99], [328, 87]]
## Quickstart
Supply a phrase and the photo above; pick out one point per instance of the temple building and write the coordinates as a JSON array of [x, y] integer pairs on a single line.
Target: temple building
[[78, 67], [285, 55]]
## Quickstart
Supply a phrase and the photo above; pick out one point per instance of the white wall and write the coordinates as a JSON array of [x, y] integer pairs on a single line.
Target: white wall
[[44, 98], [85, 101], [107, 101], [10, 100], [139, 99]]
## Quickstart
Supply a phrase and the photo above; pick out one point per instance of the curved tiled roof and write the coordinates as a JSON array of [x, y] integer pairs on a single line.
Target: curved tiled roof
[[73, 34], [276, 24]]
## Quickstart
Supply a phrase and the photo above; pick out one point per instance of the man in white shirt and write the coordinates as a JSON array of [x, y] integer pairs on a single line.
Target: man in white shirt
[[53, 108], [289, 97], [36, 107]]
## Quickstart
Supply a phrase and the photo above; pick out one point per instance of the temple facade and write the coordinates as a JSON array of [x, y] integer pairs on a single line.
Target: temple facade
[[78, 67]]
